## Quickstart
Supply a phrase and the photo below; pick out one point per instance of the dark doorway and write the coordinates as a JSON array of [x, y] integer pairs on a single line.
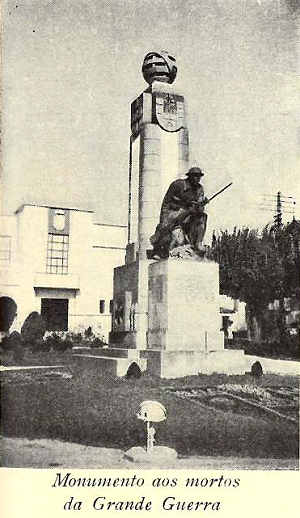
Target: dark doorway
[[55, 314]]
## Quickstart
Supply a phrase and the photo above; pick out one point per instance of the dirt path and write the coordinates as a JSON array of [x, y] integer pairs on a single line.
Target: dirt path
[[46, 453]]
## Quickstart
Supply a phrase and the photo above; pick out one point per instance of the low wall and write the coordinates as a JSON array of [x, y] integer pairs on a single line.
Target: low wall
[[272, 366]]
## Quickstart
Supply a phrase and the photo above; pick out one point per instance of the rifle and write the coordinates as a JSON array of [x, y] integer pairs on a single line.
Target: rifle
[[219, 192], [202, 204]]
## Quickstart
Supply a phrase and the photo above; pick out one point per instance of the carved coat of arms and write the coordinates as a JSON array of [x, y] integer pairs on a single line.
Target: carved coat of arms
[[58, 221], [169, 111]]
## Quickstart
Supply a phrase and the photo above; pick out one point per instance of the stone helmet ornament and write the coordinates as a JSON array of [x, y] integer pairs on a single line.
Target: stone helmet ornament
[[159, 66], [152, 411]]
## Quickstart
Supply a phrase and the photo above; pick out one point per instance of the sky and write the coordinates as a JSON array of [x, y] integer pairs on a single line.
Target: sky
[[71, 68]]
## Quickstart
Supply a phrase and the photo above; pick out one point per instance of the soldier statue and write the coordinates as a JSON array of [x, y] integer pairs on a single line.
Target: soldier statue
[[182, 217]]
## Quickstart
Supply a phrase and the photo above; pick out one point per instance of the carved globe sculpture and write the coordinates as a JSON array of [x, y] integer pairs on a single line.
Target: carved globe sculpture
[[159, 66]]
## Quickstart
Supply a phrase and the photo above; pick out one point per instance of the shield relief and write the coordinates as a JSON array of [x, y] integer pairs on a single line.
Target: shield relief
[[168, 111]]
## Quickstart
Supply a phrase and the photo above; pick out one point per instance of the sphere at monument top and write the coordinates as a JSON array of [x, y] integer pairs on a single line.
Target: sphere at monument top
[[159, 66]]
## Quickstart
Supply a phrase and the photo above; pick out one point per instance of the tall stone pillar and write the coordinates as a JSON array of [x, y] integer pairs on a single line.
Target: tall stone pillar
[[159, 153], [160, 134]]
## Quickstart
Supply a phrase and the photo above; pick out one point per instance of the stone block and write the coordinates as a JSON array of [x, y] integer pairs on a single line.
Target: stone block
[[132, 278], [110, 352], [274, 366], [176, 364], [109, 366], [183, 306]]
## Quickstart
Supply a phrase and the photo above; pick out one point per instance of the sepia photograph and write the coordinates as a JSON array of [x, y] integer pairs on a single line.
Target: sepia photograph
[[150, 238]]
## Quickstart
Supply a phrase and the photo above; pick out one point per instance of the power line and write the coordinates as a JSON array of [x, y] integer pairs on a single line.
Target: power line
[[275, 196], [279, 205]]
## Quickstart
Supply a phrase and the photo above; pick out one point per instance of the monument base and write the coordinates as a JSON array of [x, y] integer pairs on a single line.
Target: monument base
[[184, 306], [184, 333], [177, 364], [171, 327], [109, 362]]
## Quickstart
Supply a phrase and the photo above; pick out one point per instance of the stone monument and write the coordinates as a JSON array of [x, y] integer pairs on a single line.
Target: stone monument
[[166, 310], [151, 412], [159, 153]]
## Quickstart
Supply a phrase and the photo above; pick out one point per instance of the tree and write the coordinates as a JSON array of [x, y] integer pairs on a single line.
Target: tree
[[257, 268]]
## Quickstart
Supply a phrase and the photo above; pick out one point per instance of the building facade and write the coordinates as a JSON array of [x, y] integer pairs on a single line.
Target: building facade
[[59, 262]]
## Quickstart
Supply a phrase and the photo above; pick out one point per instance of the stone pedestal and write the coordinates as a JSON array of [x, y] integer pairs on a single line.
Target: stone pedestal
[[160, 455], [130, 312], [184, 321], [184, 312], [167, 321], [128, 337]]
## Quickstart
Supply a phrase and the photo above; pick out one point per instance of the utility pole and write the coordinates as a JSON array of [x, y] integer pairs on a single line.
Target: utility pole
[[278, 213], [280, 205]]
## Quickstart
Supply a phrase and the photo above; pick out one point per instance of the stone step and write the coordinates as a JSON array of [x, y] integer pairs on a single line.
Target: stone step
[[105, 365], [109, 352], [118, 352]]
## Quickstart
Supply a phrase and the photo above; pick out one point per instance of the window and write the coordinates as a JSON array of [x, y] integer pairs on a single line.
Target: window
[[102, 306], [111, 306], [57, 254], [5, 250]]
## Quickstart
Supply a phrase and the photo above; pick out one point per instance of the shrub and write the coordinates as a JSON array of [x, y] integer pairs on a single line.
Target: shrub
[[88, 337], [256, 370], [8, 310], [292, 345], [97, 342], [35, 337], [58, 341], [5, 343], [288, 347], [133, 371], [17, 346], [14, 344], [33, 329], [88, 332]]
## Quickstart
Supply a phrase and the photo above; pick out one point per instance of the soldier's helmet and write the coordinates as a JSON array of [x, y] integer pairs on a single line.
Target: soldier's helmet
[[159, 66], [195, 171]]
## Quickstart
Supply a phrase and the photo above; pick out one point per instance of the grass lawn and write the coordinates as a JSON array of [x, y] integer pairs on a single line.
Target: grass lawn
[[98, 411]]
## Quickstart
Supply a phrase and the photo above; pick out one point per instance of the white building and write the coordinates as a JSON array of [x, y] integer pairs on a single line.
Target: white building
[[59, 262], [234, 311]]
